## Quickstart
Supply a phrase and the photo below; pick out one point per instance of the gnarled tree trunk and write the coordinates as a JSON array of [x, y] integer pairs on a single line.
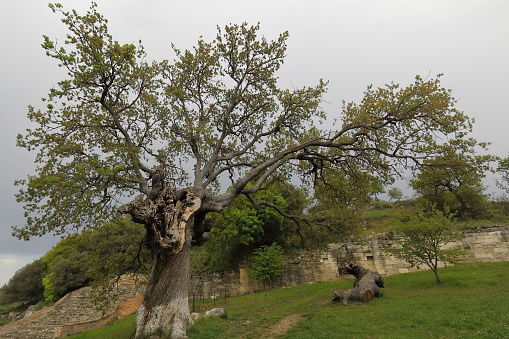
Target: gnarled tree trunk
[[165, 305], [167, 215], [367, 286]]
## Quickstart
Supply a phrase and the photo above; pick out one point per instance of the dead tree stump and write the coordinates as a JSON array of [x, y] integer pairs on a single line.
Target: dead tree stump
[[368, 285]]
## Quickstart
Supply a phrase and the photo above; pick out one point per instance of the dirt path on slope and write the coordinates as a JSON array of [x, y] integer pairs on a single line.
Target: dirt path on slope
[[284, 325]]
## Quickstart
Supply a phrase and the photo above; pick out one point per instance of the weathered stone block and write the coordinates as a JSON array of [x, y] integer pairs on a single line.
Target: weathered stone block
[[218, 311]]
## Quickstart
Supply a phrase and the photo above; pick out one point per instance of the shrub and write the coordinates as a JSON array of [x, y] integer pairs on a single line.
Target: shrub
[[25, 286], [268, 262]]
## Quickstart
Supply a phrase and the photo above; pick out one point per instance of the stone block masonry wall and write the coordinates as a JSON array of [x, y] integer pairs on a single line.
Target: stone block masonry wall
[[483, 244], [302, 267], [310, 266], [124, 309], [208, 285], [488, 243], [76, 307]]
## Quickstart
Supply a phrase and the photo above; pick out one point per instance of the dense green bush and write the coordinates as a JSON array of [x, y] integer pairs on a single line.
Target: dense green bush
[[94, 257], [240, 228], [25, 286], [67, 274], [268, 262]]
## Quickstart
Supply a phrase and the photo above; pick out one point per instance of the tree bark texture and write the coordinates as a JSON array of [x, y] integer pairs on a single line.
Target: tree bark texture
[[368, 285], [165, 305], [167, 214]]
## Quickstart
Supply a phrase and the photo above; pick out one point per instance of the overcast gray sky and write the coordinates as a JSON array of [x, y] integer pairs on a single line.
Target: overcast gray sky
[[351, 43]]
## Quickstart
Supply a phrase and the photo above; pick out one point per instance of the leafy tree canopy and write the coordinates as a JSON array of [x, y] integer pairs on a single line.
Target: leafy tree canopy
[[216, 107], [241, 227], [454, 178], [95, 257], [395, 193], [338, 199], [503, 170], [268, 262], [423, 237], [25, 286]]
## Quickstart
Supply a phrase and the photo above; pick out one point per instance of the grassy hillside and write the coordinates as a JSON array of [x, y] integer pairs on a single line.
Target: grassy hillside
[[382, 216], [471, 303]]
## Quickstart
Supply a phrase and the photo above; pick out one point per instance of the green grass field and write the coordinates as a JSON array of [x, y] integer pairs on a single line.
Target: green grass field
[[472, 302]]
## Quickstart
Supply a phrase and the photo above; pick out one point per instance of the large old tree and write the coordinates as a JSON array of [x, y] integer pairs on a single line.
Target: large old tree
[[170, 136]]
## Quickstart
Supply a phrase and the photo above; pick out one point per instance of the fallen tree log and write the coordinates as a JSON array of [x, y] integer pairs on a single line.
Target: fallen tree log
[[368, 285]]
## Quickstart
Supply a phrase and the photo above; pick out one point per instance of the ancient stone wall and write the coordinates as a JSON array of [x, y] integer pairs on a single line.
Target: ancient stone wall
[[209, 285], [75, 308], [483, 244], [124, 309], [302, 267], [487, 243]]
